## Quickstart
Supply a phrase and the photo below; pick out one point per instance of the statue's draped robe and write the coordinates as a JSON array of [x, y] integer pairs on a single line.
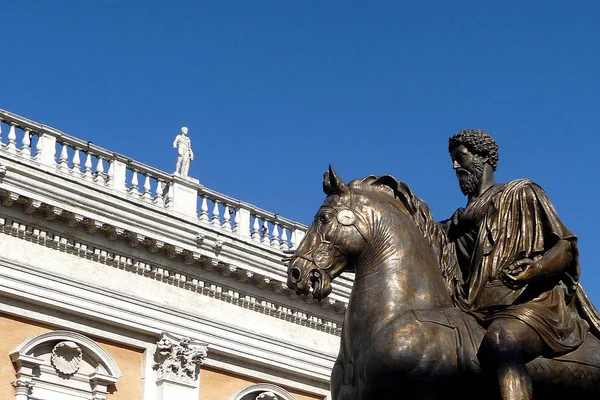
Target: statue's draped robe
[[507, 223]]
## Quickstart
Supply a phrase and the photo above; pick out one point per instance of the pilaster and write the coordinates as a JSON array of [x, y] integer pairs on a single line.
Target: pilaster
[[185, 196]]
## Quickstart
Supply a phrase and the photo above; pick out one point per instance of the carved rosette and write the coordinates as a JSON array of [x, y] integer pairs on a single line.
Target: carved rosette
[[179, 360], [66, 357]]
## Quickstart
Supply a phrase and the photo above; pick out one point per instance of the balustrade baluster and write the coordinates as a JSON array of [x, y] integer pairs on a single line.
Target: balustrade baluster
[[38, 149], [169, 195], [236, 221], [76, 161], [204, 210], [215, 214], [284, 239], [275, 235], [11, 146], [264, 234], [63, 162], [134, 183], [26, 144], [147, 195], [227, 219], [87, 173], [1, 120], [110, 175], [99, 176], [256, 229], [160, 188]]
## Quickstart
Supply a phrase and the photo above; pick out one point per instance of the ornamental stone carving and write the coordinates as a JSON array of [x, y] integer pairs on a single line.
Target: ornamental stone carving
[[267, 396], [179, 359], [66, 357], [22, 386]]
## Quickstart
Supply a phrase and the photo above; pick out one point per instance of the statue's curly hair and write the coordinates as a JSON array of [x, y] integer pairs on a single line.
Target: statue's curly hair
[[477, 142]]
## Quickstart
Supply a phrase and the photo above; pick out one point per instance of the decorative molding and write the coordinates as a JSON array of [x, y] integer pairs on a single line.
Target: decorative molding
[[53, 212], [190, 282], [179, 359], [33, 365], [32, 206], [10, 198], [22, 387], [84, 343], [74, 219]]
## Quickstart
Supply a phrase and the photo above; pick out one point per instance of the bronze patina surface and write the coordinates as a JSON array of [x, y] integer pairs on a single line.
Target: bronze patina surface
[[484, 304]]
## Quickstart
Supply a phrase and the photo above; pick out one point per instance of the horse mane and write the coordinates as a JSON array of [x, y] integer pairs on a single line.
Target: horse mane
[[421, 215]]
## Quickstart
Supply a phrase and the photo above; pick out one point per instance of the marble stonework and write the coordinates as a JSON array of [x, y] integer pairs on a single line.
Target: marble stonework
[[112, 248]]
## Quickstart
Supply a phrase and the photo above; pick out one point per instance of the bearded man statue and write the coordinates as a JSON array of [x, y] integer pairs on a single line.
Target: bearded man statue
[[519, 266]]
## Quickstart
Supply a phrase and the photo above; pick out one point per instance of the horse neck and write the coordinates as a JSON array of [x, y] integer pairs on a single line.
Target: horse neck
[[398, 270]]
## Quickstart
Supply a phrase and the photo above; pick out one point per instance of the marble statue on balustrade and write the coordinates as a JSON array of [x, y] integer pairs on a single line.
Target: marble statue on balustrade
[[184, 152]]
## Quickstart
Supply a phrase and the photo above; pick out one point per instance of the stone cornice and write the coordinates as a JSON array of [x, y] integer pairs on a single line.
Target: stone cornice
[[78, 202], [176, 255]]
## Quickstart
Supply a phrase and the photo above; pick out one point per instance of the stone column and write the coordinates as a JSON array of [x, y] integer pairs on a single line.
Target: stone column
[[22, 388], [177, 362]]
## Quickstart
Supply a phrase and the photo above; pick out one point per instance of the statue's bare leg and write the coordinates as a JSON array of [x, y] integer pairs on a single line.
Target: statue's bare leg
[[506, 347]]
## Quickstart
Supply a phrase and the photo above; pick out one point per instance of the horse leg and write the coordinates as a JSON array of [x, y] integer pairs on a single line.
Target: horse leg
[[342, 381], [409, 358]]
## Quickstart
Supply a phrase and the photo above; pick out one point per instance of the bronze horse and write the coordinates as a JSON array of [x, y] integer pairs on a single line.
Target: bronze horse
[[403, 337]]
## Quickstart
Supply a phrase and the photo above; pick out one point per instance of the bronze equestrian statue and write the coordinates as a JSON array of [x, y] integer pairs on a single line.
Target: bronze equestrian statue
[[486, 303]]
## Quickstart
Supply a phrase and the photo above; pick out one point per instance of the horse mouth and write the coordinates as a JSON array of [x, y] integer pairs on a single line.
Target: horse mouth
[[319, 285], [315, 283]]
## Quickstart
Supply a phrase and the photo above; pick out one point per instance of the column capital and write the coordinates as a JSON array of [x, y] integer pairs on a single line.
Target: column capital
[[179, 359]]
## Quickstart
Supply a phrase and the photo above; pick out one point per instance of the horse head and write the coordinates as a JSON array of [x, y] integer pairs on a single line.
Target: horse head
[[335, 239]]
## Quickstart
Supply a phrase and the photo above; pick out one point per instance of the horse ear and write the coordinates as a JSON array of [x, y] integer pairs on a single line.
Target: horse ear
[[332, 183]]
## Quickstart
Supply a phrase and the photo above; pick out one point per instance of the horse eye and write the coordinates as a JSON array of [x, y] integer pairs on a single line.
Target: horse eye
[[324, 218]]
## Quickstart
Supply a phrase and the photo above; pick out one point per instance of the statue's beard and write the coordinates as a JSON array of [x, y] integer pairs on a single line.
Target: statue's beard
[[469, 179]]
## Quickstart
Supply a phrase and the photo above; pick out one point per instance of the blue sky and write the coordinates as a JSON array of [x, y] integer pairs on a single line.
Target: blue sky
[[274, 91]]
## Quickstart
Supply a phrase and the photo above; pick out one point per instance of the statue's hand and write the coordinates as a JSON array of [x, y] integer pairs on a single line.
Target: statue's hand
[[518, 274]]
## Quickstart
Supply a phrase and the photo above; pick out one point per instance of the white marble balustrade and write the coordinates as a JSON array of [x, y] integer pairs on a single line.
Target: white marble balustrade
[[85, 161], [56, 151], [260, 226]]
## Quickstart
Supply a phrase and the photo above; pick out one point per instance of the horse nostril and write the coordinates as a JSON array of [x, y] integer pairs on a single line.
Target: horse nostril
[[295, 274]]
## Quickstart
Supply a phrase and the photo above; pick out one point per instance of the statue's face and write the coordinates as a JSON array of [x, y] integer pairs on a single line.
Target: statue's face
[[468, 167]]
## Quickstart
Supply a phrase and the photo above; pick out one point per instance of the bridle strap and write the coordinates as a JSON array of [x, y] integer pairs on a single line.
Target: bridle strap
[[322, 254]]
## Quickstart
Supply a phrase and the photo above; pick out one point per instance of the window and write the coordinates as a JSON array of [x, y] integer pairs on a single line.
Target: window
[[62, 365]]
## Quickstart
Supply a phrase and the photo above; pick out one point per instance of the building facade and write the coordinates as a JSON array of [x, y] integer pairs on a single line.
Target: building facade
[[119, 281]]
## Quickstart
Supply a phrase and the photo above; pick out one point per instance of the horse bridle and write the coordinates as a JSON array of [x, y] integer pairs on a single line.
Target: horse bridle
[[322, 254]]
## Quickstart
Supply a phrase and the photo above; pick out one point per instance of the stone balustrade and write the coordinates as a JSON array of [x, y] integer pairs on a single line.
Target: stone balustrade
[[84, 161]]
